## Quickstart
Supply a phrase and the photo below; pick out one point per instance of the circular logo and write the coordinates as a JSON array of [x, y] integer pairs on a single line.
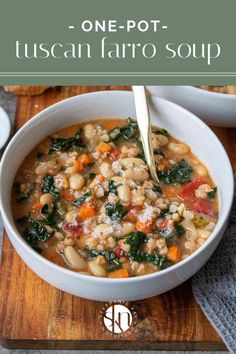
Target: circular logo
[[118, 318]]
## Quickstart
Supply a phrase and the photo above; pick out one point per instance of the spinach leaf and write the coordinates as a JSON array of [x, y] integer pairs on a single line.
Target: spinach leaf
[[180, 230], [180, 173], [112, 260], [48, 185], [161, 131], [65, 144], [115, 212], [82, 198], [126, 132], [212, 193], [34, 232], [113, 187]]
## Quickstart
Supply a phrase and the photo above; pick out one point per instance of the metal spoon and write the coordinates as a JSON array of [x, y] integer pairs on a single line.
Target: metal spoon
[[144, 123]]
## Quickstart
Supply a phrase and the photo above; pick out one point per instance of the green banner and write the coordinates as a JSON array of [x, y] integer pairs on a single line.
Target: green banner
[[117, 42]]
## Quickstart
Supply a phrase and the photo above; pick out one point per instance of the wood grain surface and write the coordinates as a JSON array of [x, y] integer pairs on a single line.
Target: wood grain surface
[[34, 314]]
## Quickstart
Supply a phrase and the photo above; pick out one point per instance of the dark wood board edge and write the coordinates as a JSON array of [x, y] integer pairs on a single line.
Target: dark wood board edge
[[111, 345]]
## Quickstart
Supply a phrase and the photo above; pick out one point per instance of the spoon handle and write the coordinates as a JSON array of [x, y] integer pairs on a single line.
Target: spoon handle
[[144, 123]]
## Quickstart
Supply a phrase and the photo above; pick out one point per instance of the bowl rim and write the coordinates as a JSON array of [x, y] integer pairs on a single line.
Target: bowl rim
[[227, 96], [7, 126], [106, 280]]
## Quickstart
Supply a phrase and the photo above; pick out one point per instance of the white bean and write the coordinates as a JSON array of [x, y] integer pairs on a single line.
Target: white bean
[[131, 162], [140, 175], [89, 131], [73, 258], [46, 198], [59, 235], [127, 174], [97, 269], [106, 170], [162, 139], [178, 148], [103, 230], [125, 229], [124, 193], [76, 181]]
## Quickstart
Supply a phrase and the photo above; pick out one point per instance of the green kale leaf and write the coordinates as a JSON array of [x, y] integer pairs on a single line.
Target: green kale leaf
[[180, 173], [130, 130], [212, 193], [112, 260], [82, 198], [65, 144], [48, 185], [115, 212]]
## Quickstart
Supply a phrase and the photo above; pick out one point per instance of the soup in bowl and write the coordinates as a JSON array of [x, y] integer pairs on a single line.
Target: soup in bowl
[[143, 247], [85, 200]]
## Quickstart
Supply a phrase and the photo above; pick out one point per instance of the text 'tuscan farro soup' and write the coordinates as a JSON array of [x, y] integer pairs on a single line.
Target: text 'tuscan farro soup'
[[84, 199]]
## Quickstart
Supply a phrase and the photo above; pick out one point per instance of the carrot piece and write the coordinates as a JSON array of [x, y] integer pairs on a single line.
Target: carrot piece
[[170, 192], [144, 226], [103, 147], [37, 206], [174, 254], [78, 166], [101, 178], [84, 159], [120, 273], [86, 211]]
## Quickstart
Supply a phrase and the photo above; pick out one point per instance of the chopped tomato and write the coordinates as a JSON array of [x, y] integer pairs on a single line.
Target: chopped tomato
[[187, 193], [120, 252], [75, 228], [203, 206], [114, 155]]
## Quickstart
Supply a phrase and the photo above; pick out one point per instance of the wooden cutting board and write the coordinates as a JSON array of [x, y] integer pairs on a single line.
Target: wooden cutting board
[[34, 314]]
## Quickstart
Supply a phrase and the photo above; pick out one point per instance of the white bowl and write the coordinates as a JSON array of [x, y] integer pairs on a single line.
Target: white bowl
[[212, 107], [5, 127], [113, 104]]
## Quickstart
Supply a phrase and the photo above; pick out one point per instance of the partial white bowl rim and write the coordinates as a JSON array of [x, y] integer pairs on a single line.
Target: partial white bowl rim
[[5, 127], [107, 281], [227, 96]]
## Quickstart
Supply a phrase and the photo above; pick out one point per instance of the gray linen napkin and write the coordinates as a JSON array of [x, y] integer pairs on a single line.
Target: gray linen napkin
[[214, 286]]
